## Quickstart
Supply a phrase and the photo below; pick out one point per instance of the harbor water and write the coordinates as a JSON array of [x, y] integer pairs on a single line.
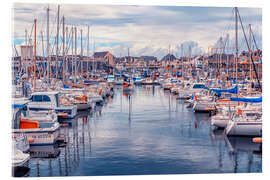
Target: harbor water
[[147, 131]]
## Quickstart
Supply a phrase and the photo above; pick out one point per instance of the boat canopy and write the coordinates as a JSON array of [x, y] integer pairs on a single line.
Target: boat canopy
[[250, 100], [233, 90], [199, 86], [90, 82], [20, 106]]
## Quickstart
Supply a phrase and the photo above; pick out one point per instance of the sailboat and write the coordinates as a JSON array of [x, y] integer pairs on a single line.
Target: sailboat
[[247, 121]]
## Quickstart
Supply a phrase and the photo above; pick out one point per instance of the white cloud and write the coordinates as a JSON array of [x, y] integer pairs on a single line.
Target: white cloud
[[146, 30]]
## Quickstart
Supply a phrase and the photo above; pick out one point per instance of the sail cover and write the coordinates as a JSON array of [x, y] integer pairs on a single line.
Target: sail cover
[[233, 90], [250, 100]]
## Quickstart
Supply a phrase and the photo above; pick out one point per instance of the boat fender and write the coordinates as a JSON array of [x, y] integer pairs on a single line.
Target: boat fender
[[239, 111], [62, 114], [257, 140], [84, 97], [31, 140]]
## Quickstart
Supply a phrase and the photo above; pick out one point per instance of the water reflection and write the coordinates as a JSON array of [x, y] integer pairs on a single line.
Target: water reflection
[[147, 131], [243, 144], [50, 151], [20, 171]]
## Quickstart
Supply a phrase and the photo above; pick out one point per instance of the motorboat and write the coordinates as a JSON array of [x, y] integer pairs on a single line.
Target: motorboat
[[38, 130], [50, 101], [76, 97], [204, 102]]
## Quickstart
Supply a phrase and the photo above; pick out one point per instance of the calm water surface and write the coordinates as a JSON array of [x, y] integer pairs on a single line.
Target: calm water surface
[[149, 132]]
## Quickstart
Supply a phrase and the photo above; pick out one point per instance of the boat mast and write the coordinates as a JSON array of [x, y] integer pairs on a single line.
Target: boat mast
[[190, 66], [35, 51], [182, 61], [249, 49], [57, 39], [236, 45], [81, 60], [63, 58], [75, 51], [227, 39], [72, 59], [25, 66], [48, 44], [43, 54], [26, 37], [250, 54], [94, 66], [66, 52], [87, 51]]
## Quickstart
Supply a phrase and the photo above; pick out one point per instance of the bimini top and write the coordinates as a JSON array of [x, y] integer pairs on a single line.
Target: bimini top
[[250, 100], [46, 93]]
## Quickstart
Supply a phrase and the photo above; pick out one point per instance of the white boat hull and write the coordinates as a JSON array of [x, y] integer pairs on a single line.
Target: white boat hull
[[219, 121], [40, 136], [203, 107], [244, 128], [19, 158]]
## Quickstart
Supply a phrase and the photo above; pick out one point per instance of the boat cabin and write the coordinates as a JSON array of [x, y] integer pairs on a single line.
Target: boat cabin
[[44, 99]]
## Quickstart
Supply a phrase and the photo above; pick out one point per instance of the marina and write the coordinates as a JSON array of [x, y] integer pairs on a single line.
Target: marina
[[142, 138], [94, 114]]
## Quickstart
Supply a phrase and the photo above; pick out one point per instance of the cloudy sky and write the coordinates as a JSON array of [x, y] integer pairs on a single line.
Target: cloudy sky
[[145, 30]]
